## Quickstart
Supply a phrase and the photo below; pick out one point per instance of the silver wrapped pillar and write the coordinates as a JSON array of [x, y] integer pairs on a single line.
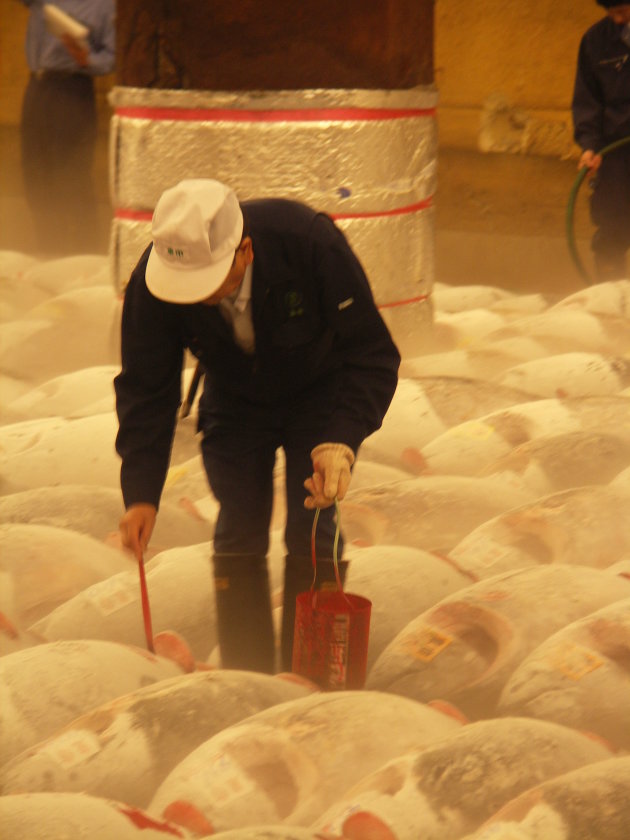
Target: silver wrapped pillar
[[365, 157]]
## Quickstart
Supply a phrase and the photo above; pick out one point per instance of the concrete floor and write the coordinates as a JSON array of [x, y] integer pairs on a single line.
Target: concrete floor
[[500, 218]]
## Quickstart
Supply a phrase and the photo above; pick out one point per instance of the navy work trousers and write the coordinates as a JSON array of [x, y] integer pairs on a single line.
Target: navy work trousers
[[239, 448], [610, 212]]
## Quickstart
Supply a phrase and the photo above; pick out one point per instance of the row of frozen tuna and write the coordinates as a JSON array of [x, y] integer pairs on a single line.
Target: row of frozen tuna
[[488, 526]]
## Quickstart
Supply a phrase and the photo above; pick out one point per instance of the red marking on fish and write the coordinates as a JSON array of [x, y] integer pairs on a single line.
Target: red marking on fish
[[142, 821], [7, 627], [172, 646], [449, 709], [361, 543], [188, 816], [599, 739], [366, 826], [455, 565], [413, 460], [190, 507], [561, 394]]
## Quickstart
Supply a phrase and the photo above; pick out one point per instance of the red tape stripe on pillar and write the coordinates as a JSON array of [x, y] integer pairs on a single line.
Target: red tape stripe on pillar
[[272, 115], [146, 215]]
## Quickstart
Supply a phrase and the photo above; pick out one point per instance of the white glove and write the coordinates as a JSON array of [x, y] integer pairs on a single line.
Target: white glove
[[331, 474]]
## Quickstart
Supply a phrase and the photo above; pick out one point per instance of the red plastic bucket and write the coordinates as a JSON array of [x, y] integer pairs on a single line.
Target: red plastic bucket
[[330, 640], [331, 633]]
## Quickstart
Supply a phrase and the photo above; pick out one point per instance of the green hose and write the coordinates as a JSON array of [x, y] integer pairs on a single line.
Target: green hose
[[570, 227]]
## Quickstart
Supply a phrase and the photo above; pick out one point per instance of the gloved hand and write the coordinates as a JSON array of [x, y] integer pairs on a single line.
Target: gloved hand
[[136, 527], [331, 474]]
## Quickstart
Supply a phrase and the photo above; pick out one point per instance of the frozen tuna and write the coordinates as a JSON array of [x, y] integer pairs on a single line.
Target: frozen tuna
[[401, 583], [570, 375], [69, 395], [429, 512], [468, 448], [55, 277], [80, 451], [449, 788], [447, 298], [289, 763], [451, 330], [465, 648], [41, 346], [13, 638], [551, 463], [585, 526], [181, 596], [485, 361], [47, 686], [96, 511], [271, 832], [126, 747], [425, 407], [579, 676], [564, 329], [590, 802], [52, 816], [609, 298], [42, 567]]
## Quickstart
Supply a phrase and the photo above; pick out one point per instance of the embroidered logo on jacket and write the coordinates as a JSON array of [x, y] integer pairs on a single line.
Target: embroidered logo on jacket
[[293, 301]]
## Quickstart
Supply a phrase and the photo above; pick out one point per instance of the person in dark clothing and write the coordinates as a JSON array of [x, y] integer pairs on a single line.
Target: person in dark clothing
[[59, 124], [272, 301], [601, 116]]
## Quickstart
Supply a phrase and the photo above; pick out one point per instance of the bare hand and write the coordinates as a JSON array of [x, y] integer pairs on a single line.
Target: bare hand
[[136, 527]]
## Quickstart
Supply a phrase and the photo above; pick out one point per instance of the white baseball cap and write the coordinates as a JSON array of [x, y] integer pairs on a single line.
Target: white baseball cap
[[197, 227]]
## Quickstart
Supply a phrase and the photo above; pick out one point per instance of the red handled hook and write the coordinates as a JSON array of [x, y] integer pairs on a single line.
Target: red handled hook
[[146, 609]]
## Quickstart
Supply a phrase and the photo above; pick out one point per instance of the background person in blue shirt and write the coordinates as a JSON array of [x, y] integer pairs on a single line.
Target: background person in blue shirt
[[270, 298], [601, 115], [59, 124]]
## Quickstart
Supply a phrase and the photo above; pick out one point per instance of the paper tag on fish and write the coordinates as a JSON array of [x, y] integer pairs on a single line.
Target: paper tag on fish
[[487, 551], [227, 780], [113, 595], [473, 430], [575, 661], [427, 644], [73, 747]]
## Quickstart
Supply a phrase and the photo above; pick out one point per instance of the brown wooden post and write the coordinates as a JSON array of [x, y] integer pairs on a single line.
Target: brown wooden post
[[331, 103], [275, 44]]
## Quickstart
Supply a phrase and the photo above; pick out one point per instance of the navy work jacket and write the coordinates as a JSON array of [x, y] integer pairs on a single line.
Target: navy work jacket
[[601, 95], [314, 319]]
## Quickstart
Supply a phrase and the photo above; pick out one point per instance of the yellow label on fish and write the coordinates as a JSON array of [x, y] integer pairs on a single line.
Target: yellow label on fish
[[576, 662], [427, 644], [472, 430]]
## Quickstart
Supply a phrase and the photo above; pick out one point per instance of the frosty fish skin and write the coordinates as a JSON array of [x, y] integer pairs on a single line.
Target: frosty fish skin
[[579, 677], [465, 648], [47, 686], [51, 816], [124, 749], [432, 513], [449, 788], [288, 764], [42, 567], [583, 526], [591, 802]]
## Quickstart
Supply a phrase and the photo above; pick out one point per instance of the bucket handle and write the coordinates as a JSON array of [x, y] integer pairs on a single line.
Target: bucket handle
[[335, 547]]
